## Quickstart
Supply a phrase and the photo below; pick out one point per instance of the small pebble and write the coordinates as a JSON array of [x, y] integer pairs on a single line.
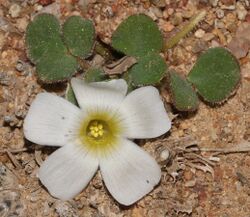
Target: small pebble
[[164, 155], [214, 3], [177, 19], [167, 27], [228, 2], [199, 46], [219, 24], [159, 3], [230, 7], [220, 13], [165, 14], [22, 23], [199, 33], [170, 11], [15, 10], [188, 175], [157, 12], [4, 79], [241, 11], [208, 36]]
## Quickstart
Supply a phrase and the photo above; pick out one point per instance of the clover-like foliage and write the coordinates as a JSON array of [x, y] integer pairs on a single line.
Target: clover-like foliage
[[139, 36], [46, 48], [79, 36], [149, 70], [183, 96], [216, 74]]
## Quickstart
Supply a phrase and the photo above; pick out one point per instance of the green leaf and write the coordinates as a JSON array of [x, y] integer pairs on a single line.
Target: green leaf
[[215, 75], [95, 75], [150, 69], [137, 36], [56, 67], [183, 96], [47, 50], [41, 36], [79, 35], [70, 96]]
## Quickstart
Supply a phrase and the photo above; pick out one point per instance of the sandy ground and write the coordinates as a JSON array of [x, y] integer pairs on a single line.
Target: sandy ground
[[194, 183]]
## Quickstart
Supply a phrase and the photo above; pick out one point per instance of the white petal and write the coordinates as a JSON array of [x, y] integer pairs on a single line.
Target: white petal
[[129, 173], [50, 120], [99, 95], [144, 114], [118, 85], [67, 171]]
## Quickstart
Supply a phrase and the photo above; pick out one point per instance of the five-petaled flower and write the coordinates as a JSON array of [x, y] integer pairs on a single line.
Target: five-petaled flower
[[97, 135]]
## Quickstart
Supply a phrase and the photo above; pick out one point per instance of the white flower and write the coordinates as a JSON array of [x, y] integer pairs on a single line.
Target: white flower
[[97, 135]]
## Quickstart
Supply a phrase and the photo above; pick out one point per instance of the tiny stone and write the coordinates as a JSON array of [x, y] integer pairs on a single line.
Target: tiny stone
[[157, 12], [45, 2], [4, 79], [170, 11], [22, 24], [214, 3], [167, 27], [20, 66], [14, 10], [165, 14], [164, 155], [159, 3], [232, 27], [188, 175], [184, 126], [220, 13], [190, 183], [230, 7], [38, 7], [188, 14], [8, 119], [199, 33], [177, 19], [219, 24], [208, 36], [241, 11], [228, 2], [199, 46]]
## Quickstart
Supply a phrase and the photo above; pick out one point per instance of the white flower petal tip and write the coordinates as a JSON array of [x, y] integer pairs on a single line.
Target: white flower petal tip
[[115, 84], [67, 171], [144, 114], [50, 120], [106, 94], [129, 173]]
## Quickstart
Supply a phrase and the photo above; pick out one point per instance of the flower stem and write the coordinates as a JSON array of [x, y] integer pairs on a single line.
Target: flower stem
[[195, 20]]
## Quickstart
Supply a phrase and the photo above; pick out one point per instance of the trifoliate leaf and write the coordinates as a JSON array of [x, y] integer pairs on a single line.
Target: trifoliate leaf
[[79, 35], [42, 35], [215, 74], [150, 69], [137, 36], [183, 96]]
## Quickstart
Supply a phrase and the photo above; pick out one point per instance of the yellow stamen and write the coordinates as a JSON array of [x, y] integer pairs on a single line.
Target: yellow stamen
[[96, 129], [95, 135]]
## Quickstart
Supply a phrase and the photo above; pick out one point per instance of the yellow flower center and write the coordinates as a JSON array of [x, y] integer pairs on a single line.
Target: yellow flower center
[[100, 131], [96, 129]]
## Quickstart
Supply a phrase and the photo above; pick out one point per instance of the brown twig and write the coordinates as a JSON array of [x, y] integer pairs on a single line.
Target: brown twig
[[13, 151]]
